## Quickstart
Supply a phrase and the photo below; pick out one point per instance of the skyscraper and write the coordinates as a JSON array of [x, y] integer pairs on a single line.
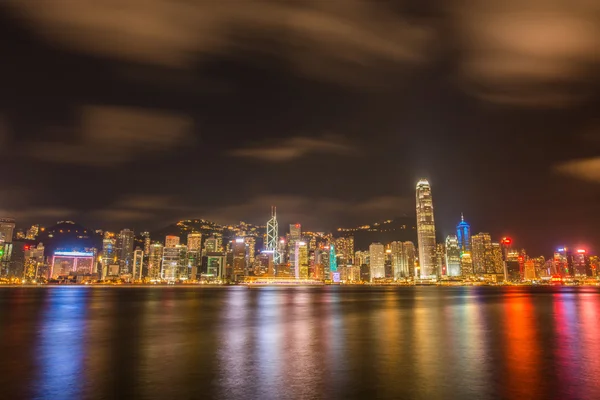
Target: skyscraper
[[332, 258], [272, 243], [240, 265], [377, 261], [194, 253], [463, 233], [125, 250], [295, 231], [7, 226], [155, 261], [301, 260], [483, 262], [171, 241], [452, 256], [426, 230], [138, 262]]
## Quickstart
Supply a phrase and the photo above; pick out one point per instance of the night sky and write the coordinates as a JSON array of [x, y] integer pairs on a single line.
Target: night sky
[[136, 114]]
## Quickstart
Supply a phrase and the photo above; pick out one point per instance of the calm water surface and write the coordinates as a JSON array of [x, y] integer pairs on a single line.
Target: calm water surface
[[299, 343]]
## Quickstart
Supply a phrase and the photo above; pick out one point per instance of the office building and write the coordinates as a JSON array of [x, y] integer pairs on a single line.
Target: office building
[[124, 251], [426, 230], [483, 262], [272, 242], [7, 227], [452, 256], [301, 260], [376, 261], [155, 261], [463, 234]]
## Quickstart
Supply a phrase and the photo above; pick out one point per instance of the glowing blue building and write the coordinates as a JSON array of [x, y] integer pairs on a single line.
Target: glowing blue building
[[463, 233]]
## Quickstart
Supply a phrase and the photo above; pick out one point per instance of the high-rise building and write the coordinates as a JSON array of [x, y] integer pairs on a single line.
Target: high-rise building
[[466, 264], [240, 266], [138, 262], [483, 262], [403, 259], [377, 261], [582, 266], [409, 258], [250, 249], [172, 241], [496, 258], [463, 234], [147, 242], [155, 261], [194, 242], [301, 260], [295, 231], [125, 250], [109, 254], [452, 256], [426, 230], [530, 273], [272, 243], [345, 250], [174, 263], [7, 227], [194, 253], [440, 253], [333, 264]]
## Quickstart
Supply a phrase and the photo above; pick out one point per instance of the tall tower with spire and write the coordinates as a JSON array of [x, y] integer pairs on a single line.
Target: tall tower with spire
[[273, 236], [463, 233], [426, 230]]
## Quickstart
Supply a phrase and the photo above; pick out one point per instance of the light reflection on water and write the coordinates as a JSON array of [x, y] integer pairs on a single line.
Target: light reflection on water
[[280, 343]]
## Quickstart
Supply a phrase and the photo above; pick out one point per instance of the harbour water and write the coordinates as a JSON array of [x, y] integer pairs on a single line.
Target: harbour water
[[300, 343]]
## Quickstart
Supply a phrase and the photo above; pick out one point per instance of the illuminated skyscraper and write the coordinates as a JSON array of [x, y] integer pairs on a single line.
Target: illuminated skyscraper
[[452, 256], [194, 242], [240, 265], [272, 243], [155, 261], [463, 233], [172, 241], [409, 256], [125, 250], [344, 248], [194, 253], [377, 261], [301, 260], [295, 231], [483, 262], [333, 267], [403, 259], [211, 245], [138, 262], [496, 259], [426, 230], [466, 264], [174, 263], [109, 256], [7, 227]]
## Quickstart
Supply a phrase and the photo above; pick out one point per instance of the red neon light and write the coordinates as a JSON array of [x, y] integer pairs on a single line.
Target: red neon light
[[507, 241], [581, 251]]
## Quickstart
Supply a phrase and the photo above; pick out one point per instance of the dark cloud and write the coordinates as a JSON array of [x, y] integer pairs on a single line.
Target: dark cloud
[[142, 113], [296, 147], [113, 135]]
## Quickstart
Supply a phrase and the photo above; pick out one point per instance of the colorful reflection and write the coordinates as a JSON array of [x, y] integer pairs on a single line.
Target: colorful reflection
[[521, 347]]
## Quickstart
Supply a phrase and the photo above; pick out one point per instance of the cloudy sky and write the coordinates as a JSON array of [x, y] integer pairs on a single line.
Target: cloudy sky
[[136, 114]]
